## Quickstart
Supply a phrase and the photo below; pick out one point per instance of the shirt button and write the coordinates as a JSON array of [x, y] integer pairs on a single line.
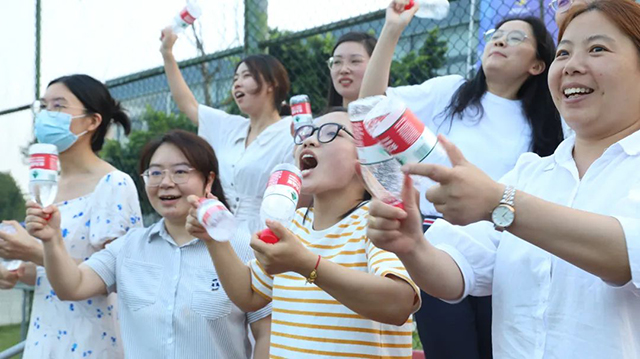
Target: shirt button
[[237, 198]]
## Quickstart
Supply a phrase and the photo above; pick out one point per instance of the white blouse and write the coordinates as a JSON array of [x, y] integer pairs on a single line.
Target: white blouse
[[244, 172], [543, 306], [88, 328]]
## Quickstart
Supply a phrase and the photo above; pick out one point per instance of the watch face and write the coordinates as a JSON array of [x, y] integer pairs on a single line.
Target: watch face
[[503, 216]]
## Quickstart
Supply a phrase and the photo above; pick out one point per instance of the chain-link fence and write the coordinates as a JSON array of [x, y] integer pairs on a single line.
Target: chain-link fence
[[427, 48]]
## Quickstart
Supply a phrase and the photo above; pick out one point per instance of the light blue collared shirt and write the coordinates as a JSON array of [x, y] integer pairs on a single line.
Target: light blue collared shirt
[[170, 301]]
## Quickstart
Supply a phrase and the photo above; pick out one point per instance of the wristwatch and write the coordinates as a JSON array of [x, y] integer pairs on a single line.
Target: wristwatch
[[505, 213]]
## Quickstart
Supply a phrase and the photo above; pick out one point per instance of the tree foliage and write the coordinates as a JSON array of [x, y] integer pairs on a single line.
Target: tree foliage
[[417, 67], [12, 203]]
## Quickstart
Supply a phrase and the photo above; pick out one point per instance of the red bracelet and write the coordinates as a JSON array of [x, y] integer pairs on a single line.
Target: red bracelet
[[314, 273]]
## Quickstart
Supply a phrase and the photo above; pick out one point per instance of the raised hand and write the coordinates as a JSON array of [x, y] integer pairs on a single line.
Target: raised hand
[[464, 194], [168, 39], [43, 223], [193, 226], [397, 16], [287, 255]]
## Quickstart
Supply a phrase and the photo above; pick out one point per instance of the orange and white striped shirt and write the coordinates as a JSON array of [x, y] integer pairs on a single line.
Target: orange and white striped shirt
[[309, 323]]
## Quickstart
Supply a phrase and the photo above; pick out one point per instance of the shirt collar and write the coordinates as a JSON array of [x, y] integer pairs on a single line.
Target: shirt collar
[[270, 132], [159, 231], [630, 144]]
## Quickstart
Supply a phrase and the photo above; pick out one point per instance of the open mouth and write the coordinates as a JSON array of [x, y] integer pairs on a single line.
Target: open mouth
[[168, 198], [345, 82], [238, 94], [573, 92], [307, 162]]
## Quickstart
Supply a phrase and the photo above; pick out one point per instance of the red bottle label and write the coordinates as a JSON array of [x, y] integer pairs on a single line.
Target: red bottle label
[[285, 178], [402, 134], [301, 108], [43, 161]]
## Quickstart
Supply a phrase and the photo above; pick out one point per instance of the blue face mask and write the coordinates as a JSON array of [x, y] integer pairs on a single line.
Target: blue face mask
[[53, 127]]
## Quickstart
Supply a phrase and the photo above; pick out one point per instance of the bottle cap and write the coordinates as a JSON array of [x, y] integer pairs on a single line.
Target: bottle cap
[[409, 5], [267, 236]]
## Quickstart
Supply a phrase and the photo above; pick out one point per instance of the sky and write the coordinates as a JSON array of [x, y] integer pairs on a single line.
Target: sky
[[112, 38]]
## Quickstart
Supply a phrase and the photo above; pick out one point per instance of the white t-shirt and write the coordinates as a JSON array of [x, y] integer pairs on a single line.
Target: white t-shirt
[[543, 306], [492, 142], [244, 172]]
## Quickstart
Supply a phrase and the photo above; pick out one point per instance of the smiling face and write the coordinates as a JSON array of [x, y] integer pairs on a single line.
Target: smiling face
[[350, 61], [515, 62], [328, 166], [245, 91], [594, 78], [168, 198]]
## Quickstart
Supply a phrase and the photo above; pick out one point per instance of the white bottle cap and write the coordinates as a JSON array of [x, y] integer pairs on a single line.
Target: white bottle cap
[[43, 148]]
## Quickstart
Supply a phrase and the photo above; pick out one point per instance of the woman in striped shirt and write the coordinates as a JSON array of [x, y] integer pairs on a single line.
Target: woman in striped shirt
[[333, 292]]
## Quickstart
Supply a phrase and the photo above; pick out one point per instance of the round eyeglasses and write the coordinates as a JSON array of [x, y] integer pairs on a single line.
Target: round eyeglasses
[[325, 133], [54, 107], [154, 177], [513, 37], [561, 5]]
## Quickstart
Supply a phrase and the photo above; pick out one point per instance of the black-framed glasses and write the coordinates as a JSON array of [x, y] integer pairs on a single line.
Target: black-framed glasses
[[325, 133], [513, 37], [154, 177], [55, 107], [561, 5]]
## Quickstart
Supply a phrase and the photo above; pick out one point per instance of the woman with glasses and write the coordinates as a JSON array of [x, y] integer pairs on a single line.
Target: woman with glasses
[[333, 293], [248, 148], [503, 111], [97, 203], [562, 256], [170, 300]]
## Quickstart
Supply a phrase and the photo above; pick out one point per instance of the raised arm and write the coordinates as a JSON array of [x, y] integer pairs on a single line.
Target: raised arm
[[376, 77], [180, 91], [234, 275], [70, 281]]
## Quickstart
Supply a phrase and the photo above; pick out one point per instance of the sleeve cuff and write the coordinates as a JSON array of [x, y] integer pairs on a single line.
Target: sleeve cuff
[[631, 229], [468, 275], [108, 275]]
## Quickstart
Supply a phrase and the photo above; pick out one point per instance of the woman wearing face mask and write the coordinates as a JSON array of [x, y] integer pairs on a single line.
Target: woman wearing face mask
[[504, 111], [248, 148], [97, 204], [563, 262], [358, 299], [170, 301]]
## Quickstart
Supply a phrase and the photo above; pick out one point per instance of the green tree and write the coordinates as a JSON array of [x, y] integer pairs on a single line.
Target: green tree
[[415, 68], [125, 155], [12, 203]]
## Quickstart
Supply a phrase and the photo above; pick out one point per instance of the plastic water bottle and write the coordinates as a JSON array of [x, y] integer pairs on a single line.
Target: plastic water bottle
[[280, 198], [43, 173], [430, 9], [216, 219], [186, 17], [9, 264], [300, 111], [380, 171], [403, 135]]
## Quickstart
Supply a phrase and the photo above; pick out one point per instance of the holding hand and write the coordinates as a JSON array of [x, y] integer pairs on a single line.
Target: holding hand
[[19, 245], [168, 39], [43, 223], [397, 16], [464, 194], [287, 255], [9, 279], [193, 226]]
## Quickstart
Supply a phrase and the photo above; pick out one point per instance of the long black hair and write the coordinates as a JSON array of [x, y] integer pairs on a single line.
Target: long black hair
[[96, 99], [537, 103], [369, 42]]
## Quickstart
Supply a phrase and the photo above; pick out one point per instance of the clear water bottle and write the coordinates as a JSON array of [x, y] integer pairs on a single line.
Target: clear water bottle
[[186, 17], [43, 173], [430, 9], [9, 264], [280, 198], [301, 111], [380, 171], [216, 219]]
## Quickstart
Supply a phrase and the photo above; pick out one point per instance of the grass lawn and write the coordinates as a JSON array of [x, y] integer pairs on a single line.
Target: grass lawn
[[9, 336]]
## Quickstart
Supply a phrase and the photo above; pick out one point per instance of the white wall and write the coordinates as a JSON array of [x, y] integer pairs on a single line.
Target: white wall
[[10, 306], [16, 132]]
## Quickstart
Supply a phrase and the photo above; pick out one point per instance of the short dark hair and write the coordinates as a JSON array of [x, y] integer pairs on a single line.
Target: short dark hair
[[270, 70], [198, 152], [96, 99], [368, 41]]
